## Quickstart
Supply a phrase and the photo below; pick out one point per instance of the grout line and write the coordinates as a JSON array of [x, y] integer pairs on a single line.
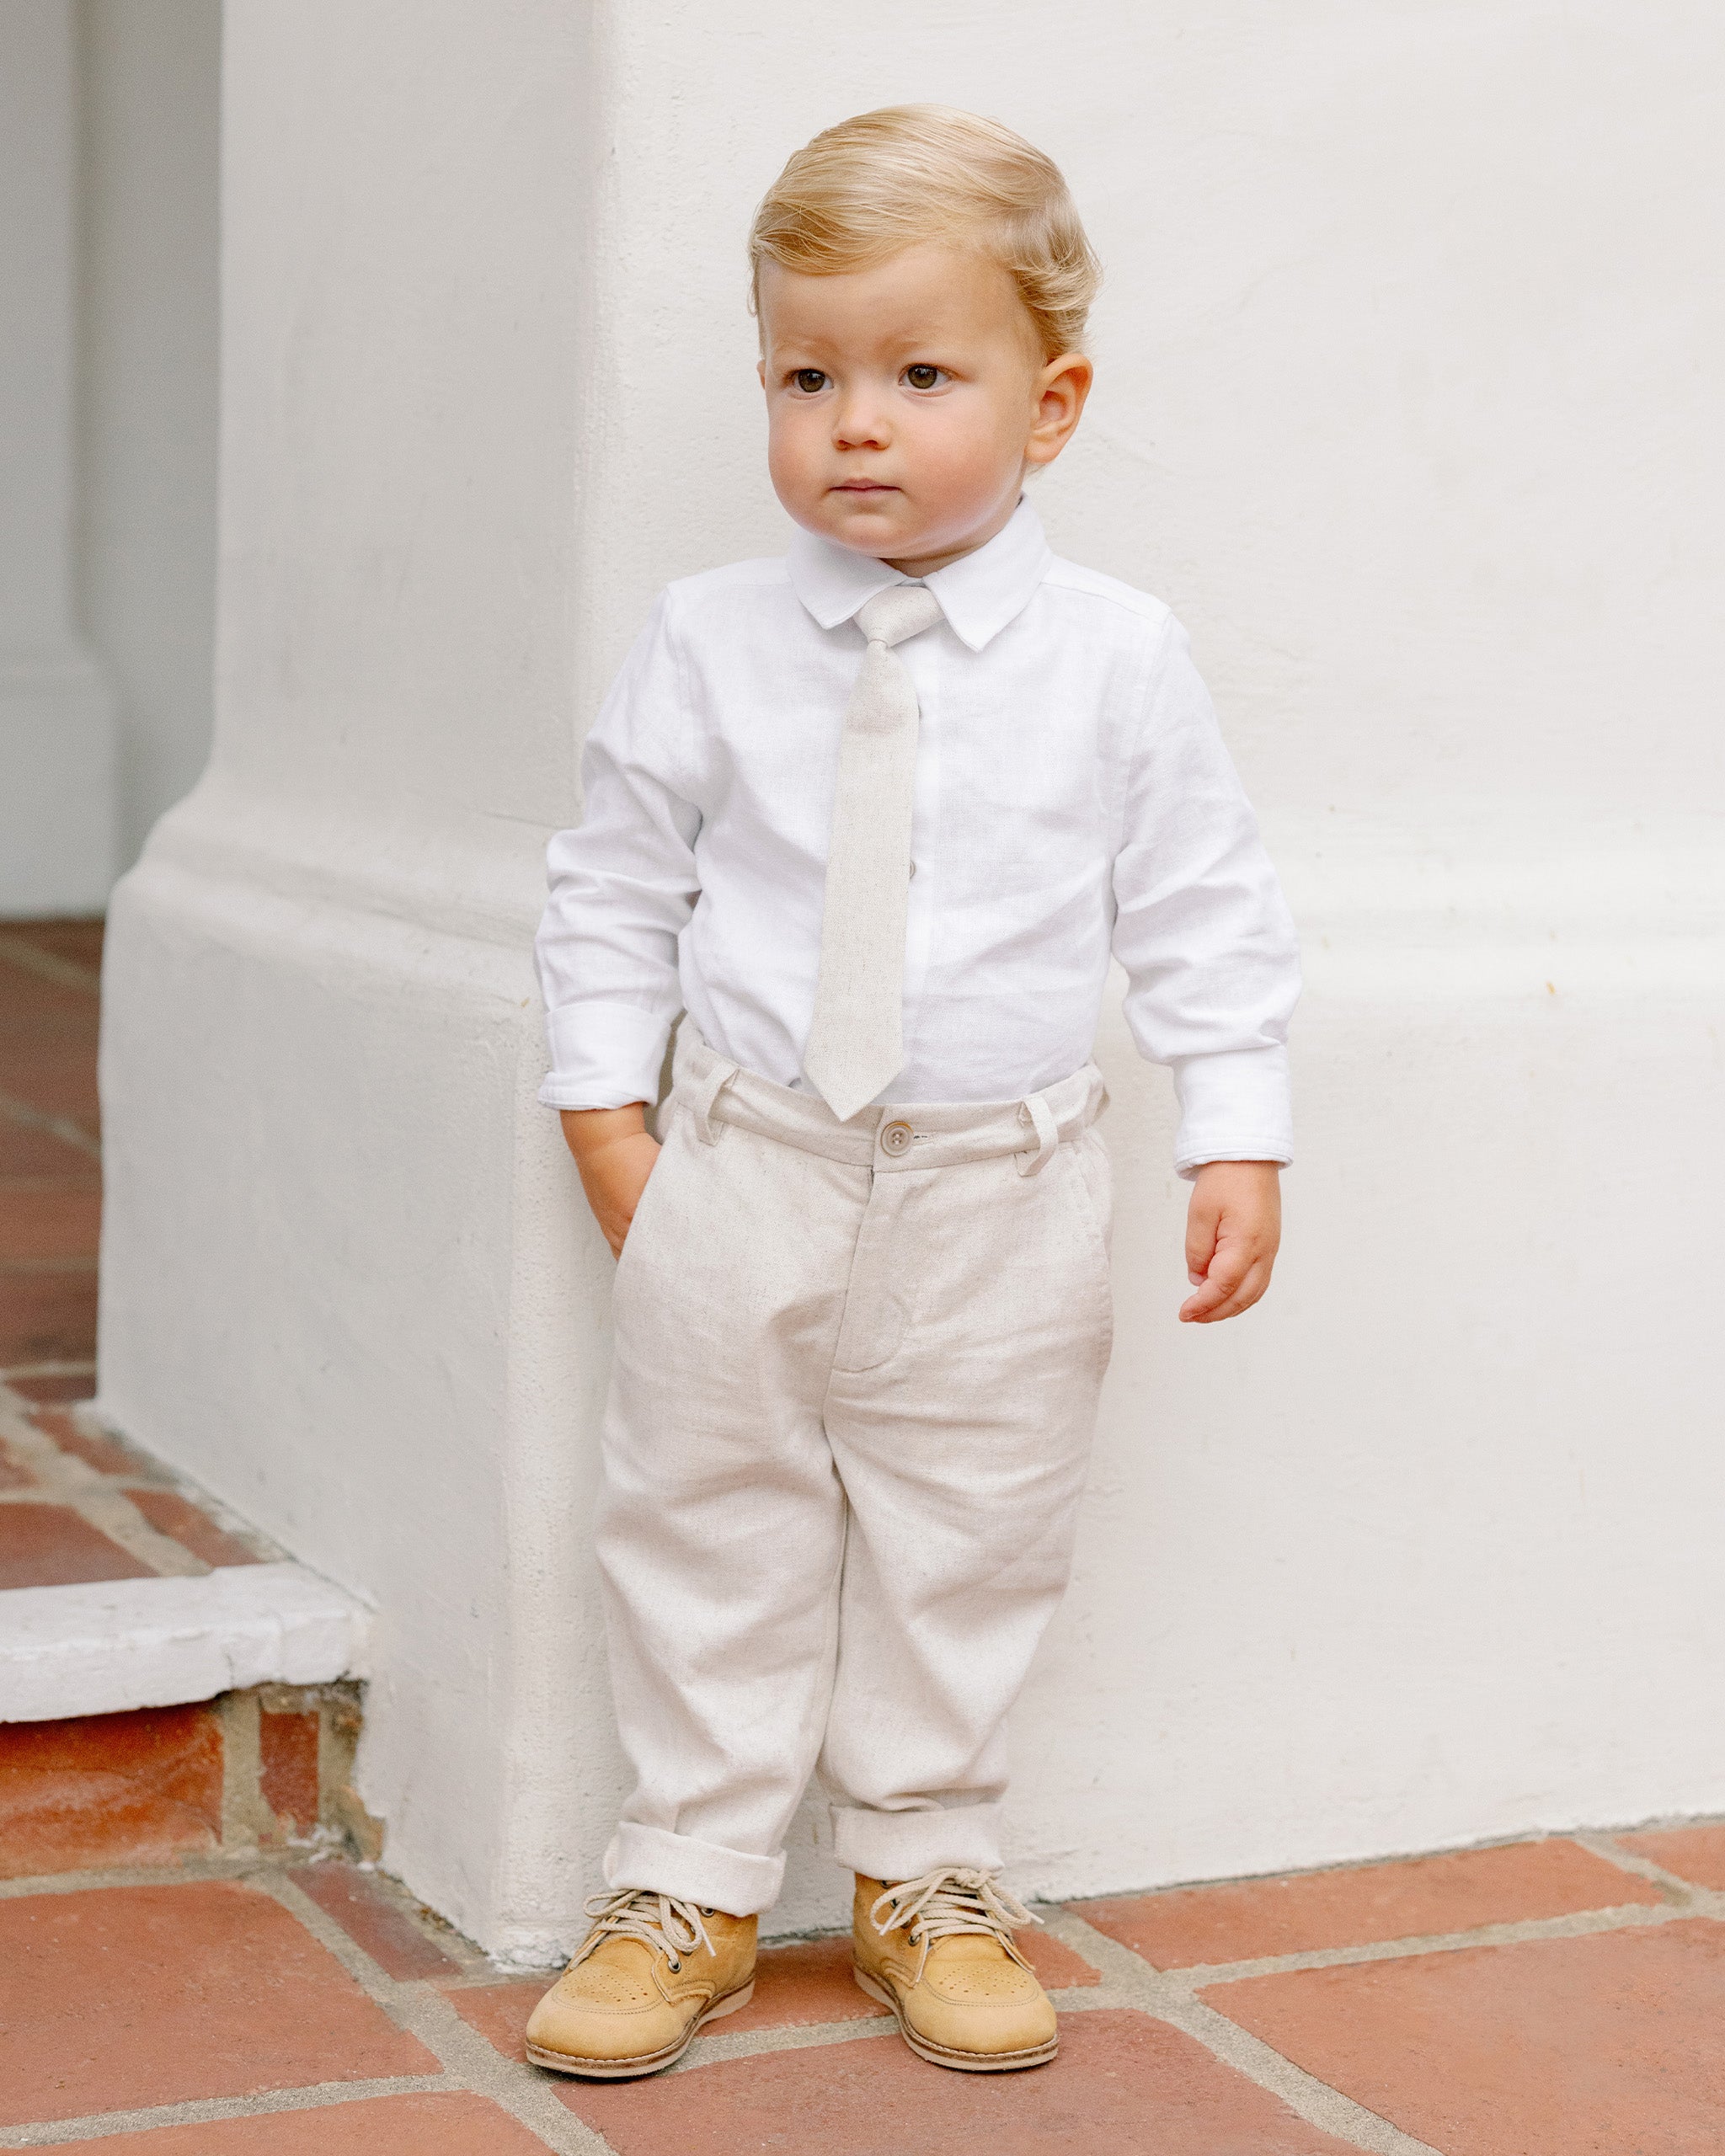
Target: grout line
[[1689, 1899], [795, 2036], [524, 2092], [199, 1868], [420, 2009], [49, 965], [481, 1974], [46, 1265], [1579, 1923], [1138, 1984], [65, 1478], [98, 2125], [86, 1369], [57, 1126], [97, 1499], [246, 1818], [469, 1967]]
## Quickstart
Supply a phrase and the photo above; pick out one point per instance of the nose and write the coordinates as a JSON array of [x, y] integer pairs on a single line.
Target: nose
[[859, 423]]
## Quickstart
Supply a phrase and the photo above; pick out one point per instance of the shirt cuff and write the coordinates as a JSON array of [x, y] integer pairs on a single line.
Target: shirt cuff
[[604, 1055], [1233, 1107]]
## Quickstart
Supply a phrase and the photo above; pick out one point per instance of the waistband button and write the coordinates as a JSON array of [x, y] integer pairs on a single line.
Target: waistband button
[[895, 1138]]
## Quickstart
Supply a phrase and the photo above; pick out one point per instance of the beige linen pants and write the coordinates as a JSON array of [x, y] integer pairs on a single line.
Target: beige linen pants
[[854, 1388]]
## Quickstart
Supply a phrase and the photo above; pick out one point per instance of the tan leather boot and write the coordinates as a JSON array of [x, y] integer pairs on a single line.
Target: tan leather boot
[[939, 1951], [650, 1973]]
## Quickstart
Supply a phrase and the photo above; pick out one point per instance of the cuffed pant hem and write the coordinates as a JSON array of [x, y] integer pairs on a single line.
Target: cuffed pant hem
[[702, 1872], [893, 1845]]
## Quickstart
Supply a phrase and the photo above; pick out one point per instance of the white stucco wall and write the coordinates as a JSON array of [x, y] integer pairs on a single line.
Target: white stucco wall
[[1402, 406], [148, 191]]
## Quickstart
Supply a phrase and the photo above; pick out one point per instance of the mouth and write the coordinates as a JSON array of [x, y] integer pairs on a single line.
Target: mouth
[[862, 487]]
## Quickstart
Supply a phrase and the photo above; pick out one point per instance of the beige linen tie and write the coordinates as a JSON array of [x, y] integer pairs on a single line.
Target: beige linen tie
[[856, 1042]]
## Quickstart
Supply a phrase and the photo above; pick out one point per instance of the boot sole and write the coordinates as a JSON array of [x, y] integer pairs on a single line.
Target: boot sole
[[630, 2069], [938, 2054]]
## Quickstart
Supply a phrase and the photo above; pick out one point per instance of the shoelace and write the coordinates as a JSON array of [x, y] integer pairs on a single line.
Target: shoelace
[[668, 1926], [946, 1903]]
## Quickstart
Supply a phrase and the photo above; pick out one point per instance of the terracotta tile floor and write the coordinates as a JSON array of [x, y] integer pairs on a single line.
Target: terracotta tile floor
[[272, 2006], [1562, 1996], [75, 1504]]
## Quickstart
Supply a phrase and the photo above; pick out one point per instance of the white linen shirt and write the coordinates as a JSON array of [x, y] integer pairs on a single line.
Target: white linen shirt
[[1073, 797]]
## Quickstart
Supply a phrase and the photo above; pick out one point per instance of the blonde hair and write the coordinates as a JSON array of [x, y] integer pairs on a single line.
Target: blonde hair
[[872, 186]]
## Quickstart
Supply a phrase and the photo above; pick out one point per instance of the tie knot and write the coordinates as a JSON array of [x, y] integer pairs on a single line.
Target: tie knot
[[902, 610]]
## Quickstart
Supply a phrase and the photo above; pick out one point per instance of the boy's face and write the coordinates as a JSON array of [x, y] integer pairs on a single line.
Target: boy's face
[[906, 402]]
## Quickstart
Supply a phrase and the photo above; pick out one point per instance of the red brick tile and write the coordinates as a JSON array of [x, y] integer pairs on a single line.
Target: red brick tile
[[70, 1385], [803, 1983], [48, 1053], [500, 2012], [104, 1789], [48, 1223], [430, 2124], [38, 1010], [1123, 2082], [1057, 1966], [74, 938], [1609, 2045], [28, 1150], [287, 1746], [1305, 1911], [373, 1921], [192, 1528], [47, 1317], [106, 1455], [47, 1038], [49, 1545], [122, 1997], [1696, 1854]]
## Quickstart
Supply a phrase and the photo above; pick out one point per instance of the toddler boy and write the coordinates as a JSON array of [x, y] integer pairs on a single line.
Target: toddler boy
[[873, 817]]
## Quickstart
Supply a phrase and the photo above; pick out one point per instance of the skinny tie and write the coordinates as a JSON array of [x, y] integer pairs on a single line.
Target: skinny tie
[[857, 1041]]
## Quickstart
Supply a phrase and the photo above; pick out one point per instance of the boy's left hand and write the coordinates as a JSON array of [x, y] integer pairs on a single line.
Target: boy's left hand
[[1233, 1229]]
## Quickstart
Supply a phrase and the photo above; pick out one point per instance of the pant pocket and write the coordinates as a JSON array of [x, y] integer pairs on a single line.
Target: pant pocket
[[652, 1196]]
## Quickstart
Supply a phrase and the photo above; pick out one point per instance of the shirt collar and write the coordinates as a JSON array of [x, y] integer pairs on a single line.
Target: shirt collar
[[979, 593]]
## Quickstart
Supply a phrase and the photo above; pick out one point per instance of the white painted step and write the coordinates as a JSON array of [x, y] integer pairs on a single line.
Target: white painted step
[[111, 1645]]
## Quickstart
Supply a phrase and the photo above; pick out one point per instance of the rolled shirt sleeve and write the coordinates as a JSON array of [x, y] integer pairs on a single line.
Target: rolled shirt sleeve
[[1201, 929], [622, 886]]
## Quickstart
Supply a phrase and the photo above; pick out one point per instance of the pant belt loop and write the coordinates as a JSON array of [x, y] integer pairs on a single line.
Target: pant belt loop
[[702, 1096], [1036, 1111]]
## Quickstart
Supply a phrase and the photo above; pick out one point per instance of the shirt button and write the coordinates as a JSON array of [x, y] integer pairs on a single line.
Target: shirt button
[[896, 1139]]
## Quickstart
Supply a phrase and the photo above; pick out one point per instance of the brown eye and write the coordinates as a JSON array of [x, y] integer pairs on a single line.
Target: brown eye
[[808, 380], [920, 377]]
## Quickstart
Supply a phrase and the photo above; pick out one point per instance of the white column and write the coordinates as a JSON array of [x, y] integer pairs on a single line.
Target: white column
[[56, 720], [347, 1284], [1397, 407]]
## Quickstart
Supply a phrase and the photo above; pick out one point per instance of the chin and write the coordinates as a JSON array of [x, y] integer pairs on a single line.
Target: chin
[[868, 533]]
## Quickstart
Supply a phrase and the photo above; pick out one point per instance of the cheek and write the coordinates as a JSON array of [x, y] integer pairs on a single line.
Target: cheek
[[794, 449], [964, 456]]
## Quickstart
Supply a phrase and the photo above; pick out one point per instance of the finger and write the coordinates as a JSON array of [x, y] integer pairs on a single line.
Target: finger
[[1203, 1220], [1227, 1269], [1250, 1289]]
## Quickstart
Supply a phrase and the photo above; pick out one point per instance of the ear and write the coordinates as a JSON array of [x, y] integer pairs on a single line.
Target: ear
[[1059, 392]]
